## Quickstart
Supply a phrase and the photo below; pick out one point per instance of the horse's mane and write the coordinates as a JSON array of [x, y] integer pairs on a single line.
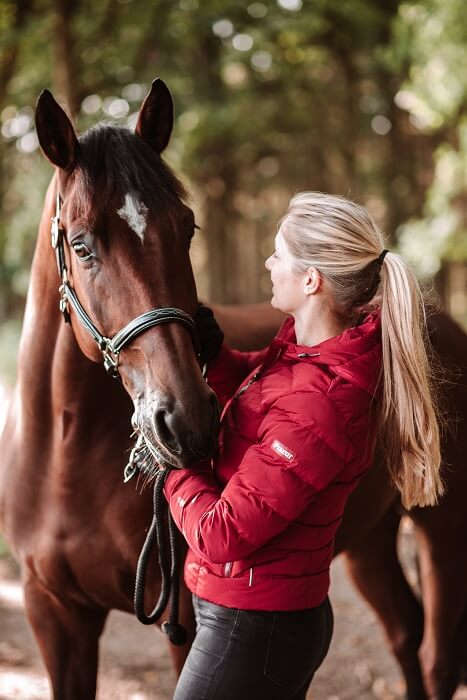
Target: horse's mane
[[121, 162]]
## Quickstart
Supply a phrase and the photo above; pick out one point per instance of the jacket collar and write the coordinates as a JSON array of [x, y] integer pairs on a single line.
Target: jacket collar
[[355, 354]]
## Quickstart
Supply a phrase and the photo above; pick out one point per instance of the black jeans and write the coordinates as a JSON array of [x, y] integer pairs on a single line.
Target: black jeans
[[254, 654]]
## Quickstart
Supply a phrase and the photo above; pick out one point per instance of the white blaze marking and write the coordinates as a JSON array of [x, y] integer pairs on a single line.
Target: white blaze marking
[[134, 213]]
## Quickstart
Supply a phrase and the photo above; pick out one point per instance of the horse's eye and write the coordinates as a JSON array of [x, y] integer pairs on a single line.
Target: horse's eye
[[82, 251]]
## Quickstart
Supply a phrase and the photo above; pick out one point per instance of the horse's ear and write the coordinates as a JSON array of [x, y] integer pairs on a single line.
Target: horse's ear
[[156, 116], [55, 131]]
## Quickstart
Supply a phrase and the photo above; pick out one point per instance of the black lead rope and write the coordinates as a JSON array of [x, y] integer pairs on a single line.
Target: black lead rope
[[169, 563]]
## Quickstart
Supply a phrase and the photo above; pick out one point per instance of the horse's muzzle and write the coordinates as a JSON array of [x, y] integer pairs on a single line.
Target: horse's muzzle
[[183, 434]]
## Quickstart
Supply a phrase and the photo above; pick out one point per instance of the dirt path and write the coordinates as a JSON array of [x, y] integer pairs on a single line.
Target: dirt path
[[135, 664]]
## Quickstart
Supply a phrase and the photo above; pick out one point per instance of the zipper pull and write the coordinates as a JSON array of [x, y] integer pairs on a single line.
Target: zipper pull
[[308, 354], [247, 386]]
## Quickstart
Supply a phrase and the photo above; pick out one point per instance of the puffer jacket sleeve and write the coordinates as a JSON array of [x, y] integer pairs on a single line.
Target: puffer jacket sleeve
[[275, 481], [230, 368]]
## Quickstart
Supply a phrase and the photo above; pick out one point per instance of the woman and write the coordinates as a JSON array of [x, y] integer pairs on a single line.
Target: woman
[[298, 431]]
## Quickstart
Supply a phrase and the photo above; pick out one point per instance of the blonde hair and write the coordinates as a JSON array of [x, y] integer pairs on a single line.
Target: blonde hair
[[340, 239]]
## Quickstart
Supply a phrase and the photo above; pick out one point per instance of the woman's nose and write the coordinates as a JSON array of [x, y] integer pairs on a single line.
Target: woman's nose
[[267, 264]]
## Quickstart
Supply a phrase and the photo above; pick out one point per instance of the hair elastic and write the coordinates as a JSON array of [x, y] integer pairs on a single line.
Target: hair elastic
[[380, 260]]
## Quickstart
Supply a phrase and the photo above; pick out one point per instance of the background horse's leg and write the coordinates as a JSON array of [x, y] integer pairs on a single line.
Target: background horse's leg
[[443, 578], [376, 571], [68, 638]]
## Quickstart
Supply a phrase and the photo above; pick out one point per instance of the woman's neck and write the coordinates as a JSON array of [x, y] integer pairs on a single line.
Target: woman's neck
[[315, 330]]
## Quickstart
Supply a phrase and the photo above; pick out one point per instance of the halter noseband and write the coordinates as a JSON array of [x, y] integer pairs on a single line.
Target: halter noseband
[[110, 347]]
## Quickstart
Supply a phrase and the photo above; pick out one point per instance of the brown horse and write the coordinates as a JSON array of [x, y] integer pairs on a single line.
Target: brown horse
[[426, 637], [121, 237], [75, 528]]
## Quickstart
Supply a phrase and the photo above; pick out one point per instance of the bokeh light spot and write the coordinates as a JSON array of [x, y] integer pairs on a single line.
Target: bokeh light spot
[[223, 28], [257, 10], [291, 5], [261, 60], [242, 42], [381, 125], [91, 104]]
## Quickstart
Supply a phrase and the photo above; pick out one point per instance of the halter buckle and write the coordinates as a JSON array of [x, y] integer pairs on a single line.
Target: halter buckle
[[110, 357], [132, 467], [63, 304], [129, 471]]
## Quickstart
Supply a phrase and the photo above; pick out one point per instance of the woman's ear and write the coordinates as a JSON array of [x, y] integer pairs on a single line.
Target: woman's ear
[[312, 281]]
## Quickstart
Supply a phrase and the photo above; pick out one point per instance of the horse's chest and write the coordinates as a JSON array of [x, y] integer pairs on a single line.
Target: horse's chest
[[86, 556]]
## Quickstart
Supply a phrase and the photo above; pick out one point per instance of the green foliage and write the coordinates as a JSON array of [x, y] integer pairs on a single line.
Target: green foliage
[[358, 97], [435, 95]]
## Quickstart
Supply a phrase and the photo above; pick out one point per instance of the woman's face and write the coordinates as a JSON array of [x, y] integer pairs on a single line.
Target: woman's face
[[288, 286]]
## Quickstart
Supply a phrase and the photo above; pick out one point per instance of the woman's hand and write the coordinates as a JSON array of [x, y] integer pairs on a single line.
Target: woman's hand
[[210, 334]]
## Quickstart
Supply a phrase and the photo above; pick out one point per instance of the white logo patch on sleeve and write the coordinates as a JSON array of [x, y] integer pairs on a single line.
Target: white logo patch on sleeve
[[282, 450]]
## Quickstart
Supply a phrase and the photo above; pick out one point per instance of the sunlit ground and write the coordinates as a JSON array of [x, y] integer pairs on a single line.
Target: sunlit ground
[[22, 684], [11, 594]]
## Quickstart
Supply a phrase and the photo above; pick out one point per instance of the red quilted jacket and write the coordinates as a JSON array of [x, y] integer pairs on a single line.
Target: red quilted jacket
[[295, 439]]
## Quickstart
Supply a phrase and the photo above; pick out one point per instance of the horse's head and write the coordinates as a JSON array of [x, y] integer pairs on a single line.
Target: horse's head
[[126, 235]]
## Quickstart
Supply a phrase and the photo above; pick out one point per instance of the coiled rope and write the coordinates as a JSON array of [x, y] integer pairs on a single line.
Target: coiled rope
[[169, 563]]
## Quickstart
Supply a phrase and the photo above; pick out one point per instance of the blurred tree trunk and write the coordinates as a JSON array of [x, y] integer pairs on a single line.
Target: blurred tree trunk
[[9, 54], [219, 212], [66, 65], [8, 60], [216, 226]]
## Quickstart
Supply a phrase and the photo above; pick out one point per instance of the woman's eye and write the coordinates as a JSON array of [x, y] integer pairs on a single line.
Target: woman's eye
[[82, 251]]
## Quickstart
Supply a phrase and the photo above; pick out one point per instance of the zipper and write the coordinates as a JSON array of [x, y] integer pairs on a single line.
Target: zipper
[[247, 386], [256, 376], [227, 569]]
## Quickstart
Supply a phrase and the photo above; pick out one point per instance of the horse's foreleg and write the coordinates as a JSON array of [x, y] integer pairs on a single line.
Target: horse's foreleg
[[68, 639], [443, 578], [375, 569]]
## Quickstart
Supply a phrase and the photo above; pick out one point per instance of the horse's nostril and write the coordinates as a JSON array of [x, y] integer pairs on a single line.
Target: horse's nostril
[[191, 434], [166, 429]]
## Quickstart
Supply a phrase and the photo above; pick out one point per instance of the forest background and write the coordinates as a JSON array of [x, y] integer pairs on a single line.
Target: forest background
[[361, 98]]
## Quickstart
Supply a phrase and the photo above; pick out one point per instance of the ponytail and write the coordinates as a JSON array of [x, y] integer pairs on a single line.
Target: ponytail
[[409, 425]]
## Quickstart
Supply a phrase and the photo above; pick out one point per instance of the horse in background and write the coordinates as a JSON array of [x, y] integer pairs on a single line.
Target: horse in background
[[74, 527]]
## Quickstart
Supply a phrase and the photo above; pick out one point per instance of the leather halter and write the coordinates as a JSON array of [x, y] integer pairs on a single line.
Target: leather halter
[[110, 347]]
